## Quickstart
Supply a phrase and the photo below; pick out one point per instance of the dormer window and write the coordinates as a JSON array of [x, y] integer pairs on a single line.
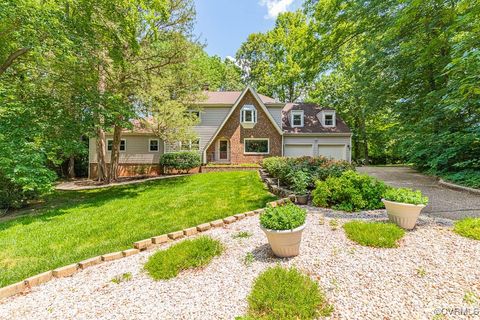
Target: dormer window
[[248, 116], [328, 118], [297, 118]]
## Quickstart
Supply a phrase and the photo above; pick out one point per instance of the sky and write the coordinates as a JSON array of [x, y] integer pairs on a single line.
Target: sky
[[223, 25]]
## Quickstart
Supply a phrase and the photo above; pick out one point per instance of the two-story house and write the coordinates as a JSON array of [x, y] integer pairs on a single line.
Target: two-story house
[[240, 127]]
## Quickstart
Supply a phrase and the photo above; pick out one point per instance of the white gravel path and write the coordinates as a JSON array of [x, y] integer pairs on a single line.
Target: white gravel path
[[433, 268]]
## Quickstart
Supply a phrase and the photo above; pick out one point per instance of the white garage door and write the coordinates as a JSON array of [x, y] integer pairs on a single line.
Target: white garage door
[[334, 151], [298, 150]]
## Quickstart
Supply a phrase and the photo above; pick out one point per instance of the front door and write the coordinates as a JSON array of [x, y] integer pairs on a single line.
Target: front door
[[223, 150]]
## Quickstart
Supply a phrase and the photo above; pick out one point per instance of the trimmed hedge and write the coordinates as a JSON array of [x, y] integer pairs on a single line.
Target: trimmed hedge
[[183, 161]]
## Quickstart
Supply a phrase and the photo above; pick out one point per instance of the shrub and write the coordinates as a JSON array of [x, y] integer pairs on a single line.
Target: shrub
[[16, 193], [182, 161], [286, 217], [374, 234], [349, 192], [299, 181], [468, 227], [187, 254], [469, 178], [280, 293], [405, 195], [315, 168], [278, 167]]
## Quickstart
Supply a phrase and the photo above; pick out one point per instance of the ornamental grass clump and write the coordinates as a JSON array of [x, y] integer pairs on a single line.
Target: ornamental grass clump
[[468, 227], [187, 254], [286, 217], [374, 234], [405, 195], [280, 293]]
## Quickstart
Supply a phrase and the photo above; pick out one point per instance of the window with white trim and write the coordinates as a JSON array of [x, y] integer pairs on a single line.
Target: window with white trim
[[328, 118], [256, 146], [190, 145], [154, 145], [297, 118], [248, 114], [123, 145]]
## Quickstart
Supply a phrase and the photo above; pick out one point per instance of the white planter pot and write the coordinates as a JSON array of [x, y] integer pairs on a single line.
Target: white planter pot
[[285, 243], [405, 215]]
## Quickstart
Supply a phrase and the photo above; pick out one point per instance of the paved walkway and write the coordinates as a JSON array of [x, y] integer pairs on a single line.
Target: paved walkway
[[444, 202]]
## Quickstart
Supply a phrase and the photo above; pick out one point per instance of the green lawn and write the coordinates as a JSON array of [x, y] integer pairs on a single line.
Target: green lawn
[[83, 224]]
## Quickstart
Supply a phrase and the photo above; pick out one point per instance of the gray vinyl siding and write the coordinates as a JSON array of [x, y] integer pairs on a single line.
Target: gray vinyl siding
[[137, 150], [276, 113], [210, 120], [316, 140]]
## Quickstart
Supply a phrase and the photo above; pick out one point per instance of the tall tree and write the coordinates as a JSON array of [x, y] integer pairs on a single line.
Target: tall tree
[[278, 62]]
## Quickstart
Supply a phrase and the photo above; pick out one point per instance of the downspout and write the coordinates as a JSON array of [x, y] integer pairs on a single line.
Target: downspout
[[282, 143], [350, 150]]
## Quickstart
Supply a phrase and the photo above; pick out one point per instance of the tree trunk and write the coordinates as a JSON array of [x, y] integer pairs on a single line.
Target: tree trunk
[[71, 167], [101, 155], [101, 148], [117, 133]]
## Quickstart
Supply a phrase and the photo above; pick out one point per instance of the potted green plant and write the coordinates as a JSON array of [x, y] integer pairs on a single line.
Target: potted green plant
[[299, 180], [283, 226], [404, 206]]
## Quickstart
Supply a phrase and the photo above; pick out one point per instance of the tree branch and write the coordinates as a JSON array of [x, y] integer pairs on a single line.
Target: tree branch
[[11, 58]]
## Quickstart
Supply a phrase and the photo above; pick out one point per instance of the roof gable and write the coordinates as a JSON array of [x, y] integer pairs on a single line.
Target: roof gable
[[234, 107]]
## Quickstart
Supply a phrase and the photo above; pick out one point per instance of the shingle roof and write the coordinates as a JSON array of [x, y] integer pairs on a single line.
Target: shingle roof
[[229, 97], [311, 122]]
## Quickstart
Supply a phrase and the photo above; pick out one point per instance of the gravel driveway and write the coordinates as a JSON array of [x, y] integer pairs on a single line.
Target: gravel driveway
[[444, 202], [433, 268]]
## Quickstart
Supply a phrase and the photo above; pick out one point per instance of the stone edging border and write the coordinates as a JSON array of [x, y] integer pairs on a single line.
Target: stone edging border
[[457, 187], [66, 271]]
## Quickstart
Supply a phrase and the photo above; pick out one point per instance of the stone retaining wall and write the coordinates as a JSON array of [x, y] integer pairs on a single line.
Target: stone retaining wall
[[141, 245], [206, 169], [273, 185]]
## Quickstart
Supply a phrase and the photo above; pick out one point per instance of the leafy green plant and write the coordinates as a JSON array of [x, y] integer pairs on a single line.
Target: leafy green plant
[[421, 272], [187, 254], [374, 234], [333, 224], [469, 177], [299, 181], [405, 195], [284, 217], [122, 278], [470, 297], [349, 192], [286, 294], [183, 161], [242, 234], [315, 168], [468, 227], [249, 259]]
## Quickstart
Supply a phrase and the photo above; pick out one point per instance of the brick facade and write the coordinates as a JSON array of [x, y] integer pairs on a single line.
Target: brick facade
[[235, 133]]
